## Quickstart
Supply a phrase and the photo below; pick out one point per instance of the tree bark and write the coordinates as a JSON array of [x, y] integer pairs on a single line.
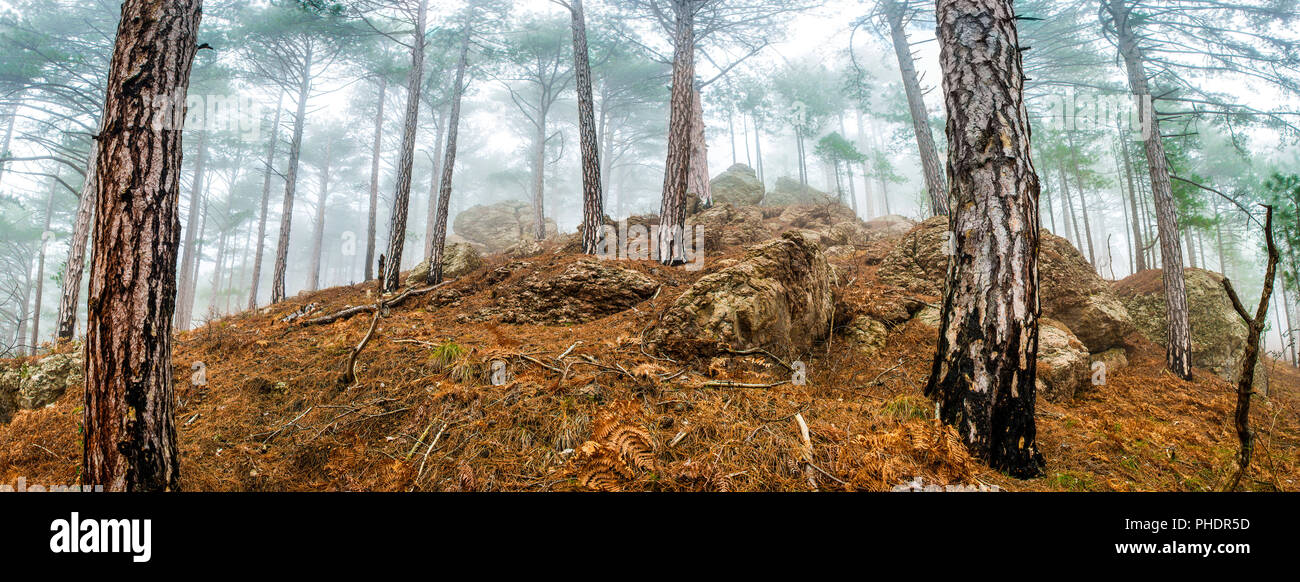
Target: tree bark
[[266, 200], [130, 435], [934, 180], [1178, 337], [402, 198], [291, 181], [376, 150], [985, 367], [449, 161], [593, 201], [539, 173], [677, 167], [698, 183], [431, 213]]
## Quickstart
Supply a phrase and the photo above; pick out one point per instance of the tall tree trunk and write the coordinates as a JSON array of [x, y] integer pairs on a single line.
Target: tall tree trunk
[[1051, 214], [69, 303], [449, 161], [291, 181], [758, 150], [1191, 247], [318, 236], [853, 189], [40, 271], [698, 183], [593, 201], [431, 213], [677, 167], [375, 152], [1178, 337], [187, 296], [1139, 243], [1068, 201], [985, 367], [402, 198], [934, 180], [539, 175], [1083, 201], [185, 304], [872, 208], [11, 119], [130, 434], [266, 200]]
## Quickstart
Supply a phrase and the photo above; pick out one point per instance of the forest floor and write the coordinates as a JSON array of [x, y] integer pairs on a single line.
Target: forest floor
[[586, 407]]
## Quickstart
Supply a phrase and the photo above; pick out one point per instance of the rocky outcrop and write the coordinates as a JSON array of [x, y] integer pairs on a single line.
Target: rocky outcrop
[[33, 385], [727, 226], [779, 297], [458, 260], [499, 226], [1218, 332], [889, 226], [739, 186], [582, 291], [789, 191], [1070, 291]]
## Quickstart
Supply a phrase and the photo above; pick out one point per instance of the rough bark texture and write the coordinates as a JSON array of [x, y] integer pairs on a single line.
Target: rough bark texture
[[291, 180], [267, 175], [449, 161], [1178, 355], [68, 302], [376, 149], [130, 435], [402, 198], [593, 203], [672, 212], [985, 368], [934, 181]]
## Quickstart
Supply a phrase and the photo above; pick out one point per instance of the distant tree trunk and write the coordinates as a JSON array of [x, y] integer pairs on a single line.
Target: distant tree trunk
[[23, 315], [40, 271], [1139, 254], [1178, 348], [130, 434], [318, 237], [291, 181], [593, 202], [758, 150], [1068, 201], [539, 175], [184, 305], [187, 297], [1191, 248], [853, 189], [985, 367], [934, 181], [698, 183], [1083, 201], [872, 207], [11, 119], [1051, 213], [66, 326], [431, 213], [267, 174], [402, 198], [376, 150], [449, 161], [677, 167]]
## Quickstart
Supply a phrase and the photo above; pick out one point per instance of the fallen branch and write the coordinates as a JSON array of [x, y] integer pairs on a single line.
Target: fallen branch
[[741, 385], [753, 351], [383, 304], [350, 368]]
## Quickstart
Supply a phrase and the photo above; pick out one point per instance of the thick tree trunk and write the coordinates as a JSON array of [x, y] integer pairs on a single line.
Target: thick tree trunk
[[698, 183], [184, 304], [40, 271], [449, 160], [1178, 337], [318, 235], [291, 181], [677, 167], [130, 435], [267, 174], [934, 180], [376, 150], [66, 326], [985, 367], [405, 165], [593, 200]]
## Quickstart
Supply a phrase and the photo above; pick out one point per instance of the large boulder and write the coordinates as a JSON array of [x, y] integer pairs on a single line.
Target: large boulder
[[725, 225], [458, 260], [739, 185], [1070, 291], [889, 226], [1218, 332], [789, 191], [779, 297], [499, 226], [581, 291], [33, 385]]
